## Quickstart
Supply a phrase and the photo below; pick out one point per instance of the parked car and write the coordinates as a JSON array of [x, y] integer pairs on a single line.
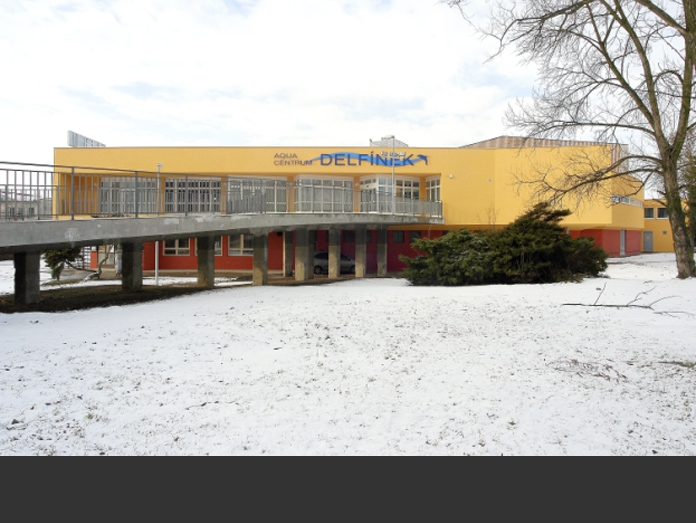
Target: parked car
[[321, 263]]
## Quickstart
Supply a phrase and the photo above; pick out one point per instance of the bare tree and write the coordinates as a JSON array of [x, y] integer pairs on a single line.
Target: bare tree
[[621, 71]]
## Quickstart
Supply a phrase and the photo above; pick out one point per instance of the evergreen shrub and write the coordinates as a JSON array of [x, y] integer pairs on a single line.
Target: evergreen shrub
[[57, 259], [532, 249]]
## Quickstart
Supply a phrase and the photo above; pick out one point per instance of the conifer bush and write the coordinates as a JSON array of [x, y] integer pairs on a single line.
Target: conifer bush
[[57, 259], [532, 249]]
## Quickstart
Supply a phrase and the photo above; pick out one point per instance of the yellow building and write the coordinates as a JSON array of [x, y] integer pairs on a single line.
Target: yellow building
[[476, 187], [657, 236]]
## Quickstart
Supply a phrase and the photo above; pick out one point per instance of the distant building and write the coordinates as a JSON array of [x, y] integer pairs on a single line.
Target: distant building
[[17, 204], [657, 233]]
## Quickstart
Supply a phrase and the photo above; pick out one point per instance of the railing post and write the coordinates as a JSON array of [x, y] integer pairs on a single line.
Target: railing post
[[186, 195], [136, 194], [289, 196], [224, 196], [72, 190]]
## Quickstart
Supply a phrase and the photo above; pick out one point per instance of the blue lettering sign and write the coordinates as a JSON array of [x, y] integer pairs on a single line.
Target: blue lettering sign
[[347, 159]]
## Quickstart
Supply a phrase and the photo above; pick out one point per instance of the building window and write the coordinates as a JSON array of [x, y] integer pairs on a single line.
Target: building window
[[117, 196], [218, 246], [649, 213], [241, 245], [324, 195], [432, 189], [177, 247], [408, 189], [257, 196], [182, 196], [662, 213], [349, 236], [377, 194], [413, 236], [398, 236], [626, 200]]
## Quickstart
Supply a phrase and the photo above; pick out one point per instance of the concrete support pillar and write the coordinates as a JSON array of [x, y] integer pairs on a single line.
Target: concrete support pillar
[[260, 271], [206, 261], [303, 267], [310, 252], [381, 252], [288, 256], [132, 278], [360, 252], [27, 280], [334, 253]]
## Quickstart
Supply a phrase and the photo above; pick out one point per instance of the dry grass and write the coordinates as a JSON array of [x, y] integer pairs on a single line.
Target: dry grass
[[80, 298]]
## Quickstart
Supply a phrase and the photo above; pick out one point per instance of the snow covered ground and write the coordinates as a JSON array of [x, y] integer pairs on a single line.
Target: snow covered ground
[[362, 367]]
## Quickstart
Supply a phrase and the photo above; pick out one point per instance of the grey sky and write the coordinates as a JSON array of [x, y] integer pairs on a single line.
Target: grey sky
[[246, 72]]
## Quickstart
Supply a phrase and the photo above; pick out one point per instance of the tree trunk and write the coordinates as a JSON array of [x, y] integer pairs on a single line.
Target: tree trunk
[[684, 249], [683, 243]]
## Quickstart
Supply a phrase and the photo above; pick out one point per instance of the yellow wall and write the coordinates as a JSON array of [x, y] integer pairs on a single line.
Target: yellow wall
[[513, 166], [661, 228]]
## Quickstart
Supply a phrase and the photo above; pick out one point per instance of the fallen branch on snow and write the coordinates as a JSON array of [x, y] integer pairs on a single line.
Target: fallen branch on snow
[[598, 370], [631, 304]]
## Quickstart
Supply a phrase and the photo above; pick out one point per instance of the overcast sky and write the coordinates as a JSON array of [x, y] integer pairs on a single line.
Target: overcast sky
[[247, 72]]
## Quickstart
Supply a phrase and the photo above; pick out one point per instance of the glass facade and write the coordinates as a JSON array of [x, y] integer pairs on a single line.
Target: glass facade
[[323, 195]]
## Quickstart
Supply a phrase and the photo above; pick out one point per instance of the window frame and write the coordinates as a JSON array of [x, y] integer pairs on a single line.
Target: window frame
[[239, 245], [432, 189], [178, 249]]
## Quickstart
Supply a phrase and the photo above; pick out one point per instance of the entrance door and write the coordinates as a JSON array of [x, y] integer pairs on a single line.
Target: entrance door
[[623, 243], [648, 245]]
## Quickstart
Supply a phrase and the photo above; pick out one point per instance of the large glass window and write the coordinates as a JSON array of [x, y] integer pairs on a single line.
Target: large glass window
[[257, 196], [117, 196], [195, 196], [376, 194], [241, 245], [181, 247], [324, 195]]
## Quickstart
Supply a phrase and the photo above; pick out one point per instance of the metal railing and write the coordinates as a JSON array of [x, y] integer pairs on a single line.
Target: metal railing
[[41, 192]]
